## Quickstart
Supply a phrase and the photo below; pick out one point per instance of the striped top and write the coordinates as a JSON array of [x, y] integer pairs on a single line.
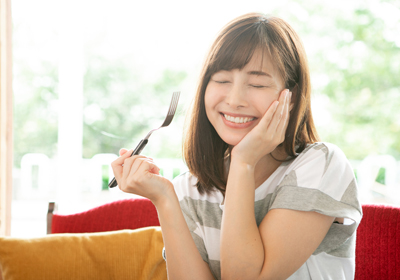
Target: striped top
[[320, 179]]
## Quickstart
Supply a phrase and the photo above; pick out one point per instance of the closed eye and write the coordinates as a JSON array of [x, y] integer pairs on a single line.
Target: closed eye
[[258, 86], [221, 82]]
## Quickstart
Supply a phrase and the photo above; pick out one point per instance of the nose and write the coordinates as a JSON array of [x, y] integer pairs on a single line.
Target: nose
[[236, 96]]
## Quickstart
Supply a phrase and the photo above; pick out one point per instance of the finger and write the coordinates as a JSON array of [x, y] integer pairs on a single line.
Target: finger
[[266, 119], [291, 104], [144, 167], [157, 169], [281, 129], [153, 167], [142, 185], [116, 165], [276, 119], [130, 165], [120, 160], [122, 151], [288, 109]]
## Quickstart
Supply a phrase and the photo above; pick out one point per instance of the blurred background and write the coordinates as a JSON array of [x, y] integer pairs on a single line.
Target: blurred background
[[90, 77]]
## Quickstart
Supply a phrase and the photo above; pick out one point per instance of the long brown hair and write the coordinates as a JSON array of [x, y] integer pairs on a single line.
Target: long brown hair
[[204, 151]]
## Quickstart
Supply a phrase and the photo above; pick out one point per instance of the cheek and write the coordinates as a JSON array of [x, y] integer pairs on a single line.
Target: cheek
[[263, 103], [209, 103], [210, 97]]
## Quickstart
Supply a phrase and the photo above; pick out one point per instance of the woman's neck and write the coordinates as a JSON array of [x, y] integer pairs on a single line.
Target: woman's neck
[[267, 165]]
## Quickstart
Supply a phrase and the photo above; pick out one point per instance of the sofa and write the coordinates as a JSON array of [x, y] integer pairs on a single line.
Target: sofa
[[123, 240], [117, 240]]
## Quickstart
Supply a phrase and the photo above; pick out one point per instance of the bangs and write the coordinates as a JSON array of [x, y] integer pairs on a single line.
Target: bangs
[[234, 50]]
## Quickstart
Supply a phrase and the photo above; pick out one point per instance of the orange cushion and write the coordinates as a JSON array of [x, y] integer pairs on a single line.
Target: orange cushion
[[123, 254]]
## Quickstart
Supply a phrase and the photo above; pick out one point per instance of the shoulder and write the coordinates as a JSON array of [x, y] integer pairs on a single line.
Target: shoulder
[[321, 166], [185, 187], [321, 147], [320, 153]]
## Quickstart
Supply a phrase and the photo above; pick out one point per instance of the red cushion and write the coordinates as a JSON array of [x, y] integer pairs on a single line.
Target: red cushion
[[378, 243], [122, 214]]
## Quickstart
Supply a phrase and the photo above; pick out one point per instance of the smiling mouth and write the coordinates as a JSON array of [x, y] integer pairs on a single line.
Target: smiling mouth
[[237, 119]]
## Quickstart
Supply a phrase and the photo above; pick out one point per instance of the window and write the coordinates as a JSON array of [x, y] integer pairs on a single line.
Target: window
[[90, 78]]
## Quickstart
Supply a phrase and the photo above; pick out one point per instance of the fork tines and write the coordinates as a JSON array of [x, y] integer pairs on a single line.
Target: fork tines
[[171, 112], [172, 108], [175, 99]]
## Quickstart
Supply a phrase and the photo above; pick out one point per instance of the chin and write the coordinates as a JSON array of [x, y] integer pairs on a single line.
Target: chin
[[231, 141]]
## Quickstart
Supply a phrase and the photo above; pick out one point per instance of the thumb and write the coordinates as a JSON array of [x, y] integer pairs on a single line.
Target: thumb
[[117, 164], [122, 151]]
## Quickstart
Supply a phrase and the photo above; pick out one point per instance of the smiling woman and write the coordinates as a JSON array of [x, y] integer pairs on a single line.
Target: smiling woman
[[260, 200], [261, 195]]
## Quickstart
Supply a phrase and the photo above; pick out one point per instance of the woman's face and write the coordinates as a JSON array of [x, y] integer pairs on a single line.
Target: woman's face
[[236, 100]]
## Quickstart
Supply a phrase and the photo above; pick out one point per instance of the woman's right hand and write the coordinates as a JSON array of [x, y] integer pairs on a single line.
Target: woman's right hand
[[139, 175]]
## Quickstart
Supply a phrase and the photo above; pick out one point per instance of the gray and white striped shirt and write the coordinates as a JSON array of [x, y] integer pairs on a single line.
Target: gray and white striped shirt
[[320, 179]]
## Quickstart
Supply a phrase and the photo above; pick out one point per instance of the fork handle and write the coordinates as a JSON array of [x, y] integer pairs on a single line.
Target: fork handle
[[137, 151]]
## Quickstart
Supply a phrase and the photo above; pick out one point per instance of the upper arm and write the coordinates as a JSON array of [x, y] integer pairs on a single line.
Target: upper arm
[[322, 181], [289, 238]]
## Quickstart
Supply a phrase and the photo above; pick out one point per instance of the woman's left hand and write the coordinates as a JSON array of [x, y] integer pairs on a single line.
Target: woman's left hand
[[267, 134]]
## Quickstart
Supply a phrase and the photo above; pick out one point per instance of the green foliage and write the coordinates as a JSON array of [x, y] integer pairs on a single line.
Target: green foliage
[[358, 54], [35, 112], [367, 98], [381, 177], [354, 61], [104, 178], [118, 108]]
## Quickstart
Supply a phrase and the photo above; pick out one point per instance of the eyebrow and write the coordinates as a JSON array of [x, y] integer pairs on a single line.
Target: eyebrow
[[259, 73]]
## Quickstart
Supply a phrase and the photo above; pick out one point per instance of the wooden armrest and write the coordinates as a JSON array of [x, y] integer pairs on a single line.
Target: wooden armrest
[[50, 211]]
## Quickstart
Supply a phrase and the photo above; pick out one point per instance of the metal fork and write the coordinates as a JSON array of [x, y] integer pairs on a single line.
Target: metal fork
[[143, 142]]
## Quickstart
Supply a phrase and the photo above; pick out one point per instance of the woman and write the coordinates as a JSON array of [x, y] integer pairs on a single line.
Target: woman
[[262, 198]]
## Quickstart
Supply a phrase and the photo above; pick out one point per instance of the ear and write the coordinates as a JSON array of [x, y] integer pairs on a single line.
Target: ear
[[294, 95]]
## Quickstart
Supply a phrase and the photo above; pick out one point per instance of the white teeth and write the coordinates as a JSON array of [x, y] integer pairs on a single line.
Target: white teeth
[[237, 119]]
